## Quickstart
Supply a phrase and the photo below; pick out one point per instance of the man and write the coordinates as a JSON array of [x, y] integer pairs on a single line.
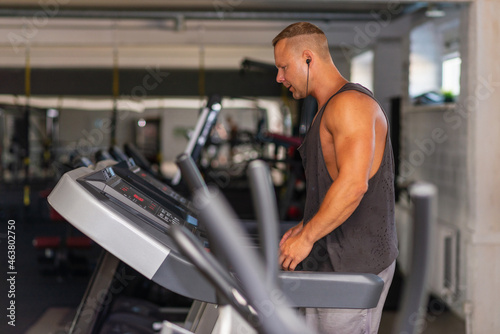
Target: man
[[348, 223]]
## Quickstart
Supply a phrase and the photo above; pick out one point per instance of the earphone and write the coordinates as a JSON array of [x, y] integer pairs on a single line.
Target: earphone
[[308, 60]]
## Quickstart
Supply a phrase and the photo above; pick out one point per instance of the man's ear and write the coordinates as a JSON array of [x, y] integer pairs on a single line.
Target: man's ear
[[308, 56]]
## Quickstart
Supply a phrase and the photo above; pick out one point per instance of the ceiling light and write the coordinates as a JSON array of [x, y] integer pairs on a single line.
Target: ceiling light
[[434, 11]]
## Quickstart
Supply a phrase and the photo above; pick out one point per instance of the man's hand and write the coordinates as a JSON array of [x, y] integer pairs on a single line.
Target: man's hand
[[293, 248], [292, 232]]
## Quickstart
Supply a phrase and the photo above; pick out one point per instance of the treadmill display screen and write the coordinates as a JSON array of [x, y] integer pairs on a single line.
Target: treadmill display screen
[[167, 190], [145, 202]]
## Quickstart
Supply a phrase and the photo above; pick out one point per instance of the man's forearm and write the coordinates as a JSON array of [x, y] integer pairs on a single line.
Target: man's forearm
[[340, 201]]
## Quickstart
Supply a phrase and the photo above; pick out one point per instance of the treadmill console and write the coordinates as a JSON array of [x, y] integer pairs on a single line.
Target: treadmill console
[[169, 192], [144, 202], [127, 196]]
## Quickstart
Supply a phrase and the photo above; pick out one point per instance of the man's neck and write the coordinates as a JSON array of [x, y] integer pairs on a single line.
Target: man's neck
[[327, 85]]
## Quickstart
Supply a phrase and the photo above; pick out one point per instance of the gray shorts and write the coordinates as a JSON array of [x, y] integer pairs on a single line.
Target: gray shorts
[[351, 321]]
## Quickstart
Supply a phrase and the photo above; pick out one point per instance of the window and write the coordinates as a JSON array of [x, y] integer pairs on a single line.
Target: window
[[425, 59], [451, 74], [362, 69]]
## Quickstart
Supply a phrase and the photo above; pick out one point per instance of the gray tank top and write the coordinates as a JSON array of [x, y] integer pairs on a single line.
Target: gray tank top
[[366, 242]]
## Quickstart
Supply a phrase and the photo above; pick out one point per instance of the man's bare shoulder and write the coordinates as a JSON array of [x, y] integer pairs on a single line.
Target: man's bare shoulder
[[350, 106], [352, 100]]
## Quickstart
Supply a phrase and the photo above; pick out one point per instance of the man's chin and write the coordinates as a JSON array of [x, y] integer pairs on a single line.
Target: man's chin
[[296, 95]]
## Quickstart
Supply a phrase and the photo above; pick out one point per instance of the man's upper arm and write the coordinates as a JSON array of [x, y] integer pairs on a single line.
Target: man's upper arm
[[351, 122]]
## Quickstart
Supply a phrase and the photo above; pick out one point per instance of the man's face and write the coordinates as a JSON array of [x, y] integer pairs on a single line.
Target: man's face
[[291, 73]]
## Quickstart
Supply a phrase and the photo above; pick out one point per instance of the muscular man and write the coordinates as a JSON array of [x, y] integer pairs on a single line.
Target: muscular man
[[348, 223]]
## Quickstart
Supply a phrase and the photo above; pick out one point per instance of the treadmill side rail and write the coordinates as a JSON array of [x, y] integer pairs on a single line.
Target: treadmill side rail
[[331, 290]]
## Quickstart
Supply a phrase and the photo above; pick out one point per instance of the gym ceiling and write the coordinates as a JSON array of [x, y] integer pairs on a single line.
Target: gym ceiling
[[81, 41]]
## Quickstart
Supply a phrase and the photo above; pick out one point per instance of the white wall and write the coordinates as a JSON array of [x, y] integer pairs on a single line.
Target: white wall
[[388, 71], [481, 101], [362, 69], [174, 121], [84, 131], [456, 148], [434, 148]]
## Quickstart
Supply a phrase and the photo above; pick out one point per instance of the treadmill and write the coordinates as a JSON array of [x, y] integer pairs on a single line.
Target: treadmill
[[135, 228]]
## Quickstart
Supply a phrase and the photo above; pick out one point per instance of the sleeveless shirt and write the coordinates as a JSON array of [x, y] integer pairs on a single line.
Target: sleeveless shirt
[[366, 242]]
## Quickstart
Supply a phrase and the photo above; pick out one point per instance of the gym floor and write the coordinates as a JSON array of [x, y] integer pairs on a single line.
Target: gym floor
[[50, 299]]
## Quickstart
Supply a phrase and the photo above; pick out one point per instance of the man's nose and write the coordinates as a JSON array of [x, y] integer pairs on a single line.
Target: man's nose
[[280, 77]]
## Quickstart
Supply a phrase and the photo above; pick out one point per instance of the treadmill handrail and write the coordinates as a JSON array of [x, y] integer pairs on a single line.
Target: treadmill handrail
[[214, 272], [190, 172], [268, 300], [266, 210]]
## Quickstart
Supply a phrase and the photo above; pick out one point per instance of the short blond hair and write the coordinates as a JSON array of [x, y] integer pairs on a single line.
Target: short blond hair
[[298, 29], [305, 35]]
